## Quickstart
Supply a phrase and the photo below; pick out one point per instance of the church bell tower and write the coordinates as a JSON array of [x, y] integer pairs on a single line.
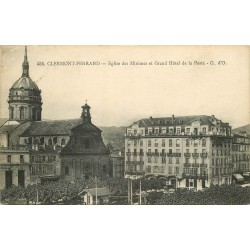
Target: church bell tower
[[86, 117]]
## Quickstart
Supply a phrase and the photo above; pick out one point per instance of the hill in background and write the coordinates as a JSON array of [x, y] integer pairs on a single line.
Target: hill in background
[[114, 136], [243, 129]]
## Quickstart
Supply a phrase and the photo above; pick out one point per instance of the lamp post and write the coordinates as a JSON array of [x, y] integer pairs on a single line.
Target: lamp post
[[37, 198], [140, 192], [95, 190], [87, 202], [175, 181], [128, 190], [131, 191]]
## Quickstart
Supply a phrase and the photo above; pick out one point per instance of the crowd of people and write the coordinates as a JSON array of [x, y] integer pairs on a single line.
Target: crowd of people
[[214, 195], [65, 192]]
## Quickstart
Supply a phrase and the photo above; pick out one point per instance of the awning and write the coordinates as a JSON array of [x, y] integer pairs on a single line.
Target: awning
[[246, 174], [239, 177]]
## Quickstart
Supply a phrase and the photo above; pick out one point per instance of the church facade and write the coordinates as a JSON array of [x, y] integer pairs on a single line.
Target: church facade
[[85, 154], [31, 149]]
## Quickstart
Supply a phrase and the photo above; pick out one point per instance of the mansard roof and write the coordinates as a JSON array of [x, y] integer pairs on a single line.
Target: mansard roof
[[176, 121], [50, 128]]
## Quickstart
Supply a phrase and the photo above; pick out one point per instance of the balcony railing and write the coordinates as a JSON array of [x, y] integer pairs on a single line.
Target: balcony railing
[[203, 155], [141, 153], [137, 136], [149, 154], [187, 155], [163, 154], [155, 154], [134, 153], [195, 165], [195, 155], [170, 154], [134, 172], [128, 153], [15, 148], [187, 165], [177, 154], [195, 176], [203, 165], [135, 162]]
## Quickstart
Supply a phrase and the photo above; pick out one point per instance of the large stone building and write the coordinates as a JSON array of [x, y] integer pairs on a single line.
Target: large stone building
[[31, 148], [187, 151], [241, 156]]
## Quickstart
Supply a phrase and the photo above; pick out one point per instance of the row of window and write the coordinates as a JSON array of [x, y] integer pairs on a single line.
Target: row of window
[[171, 131], [51, 141], [221, 145], [220, 161], [43, 158], [163, 151], [170, 160], [242, 167], [188, 142], [221, 171], [240, 148], [162, 169], [221, 152], [37, 159], [21, 113], [48, 169], [21, 158], [236, 158]]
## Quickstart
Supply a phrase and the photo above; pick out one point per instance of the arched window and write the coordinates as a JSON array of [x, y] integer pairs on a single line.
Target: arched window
[[50, 142], [63, 142], [54, 140], [66, 170], [187, 143], [203, 142], [177, 143], [141, 143], [104, 168], [39, 115], [156, 143], [42, 140], [21, 113], [34, 114]]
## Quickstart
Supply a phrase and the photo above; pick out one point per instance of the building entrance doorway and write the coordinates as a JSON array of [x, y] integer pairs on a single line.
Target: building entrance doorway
[[8, 179], [21, 178]]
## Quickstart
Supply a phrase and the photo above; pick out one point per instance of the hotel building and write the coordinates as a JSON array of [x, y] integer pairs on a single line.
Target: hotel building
[[186, 151]]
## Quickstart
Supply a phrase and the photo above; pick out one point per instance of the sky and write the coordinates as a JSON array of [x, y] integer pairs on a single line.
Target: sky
[[121, 94]]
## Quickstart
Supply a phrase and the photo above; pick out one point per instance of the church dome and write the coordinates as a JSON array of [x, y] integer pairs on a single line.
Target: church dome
[[25, 82], [25, 101]]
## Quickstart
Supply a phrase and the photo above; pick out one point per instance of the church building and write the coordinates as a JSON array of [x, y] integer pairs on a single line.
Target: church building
[[32, 149]]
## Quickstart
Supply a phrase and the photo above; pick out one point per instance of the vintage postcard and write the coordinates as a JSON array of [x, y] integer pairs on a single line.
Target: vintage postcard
[[119, 125]]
